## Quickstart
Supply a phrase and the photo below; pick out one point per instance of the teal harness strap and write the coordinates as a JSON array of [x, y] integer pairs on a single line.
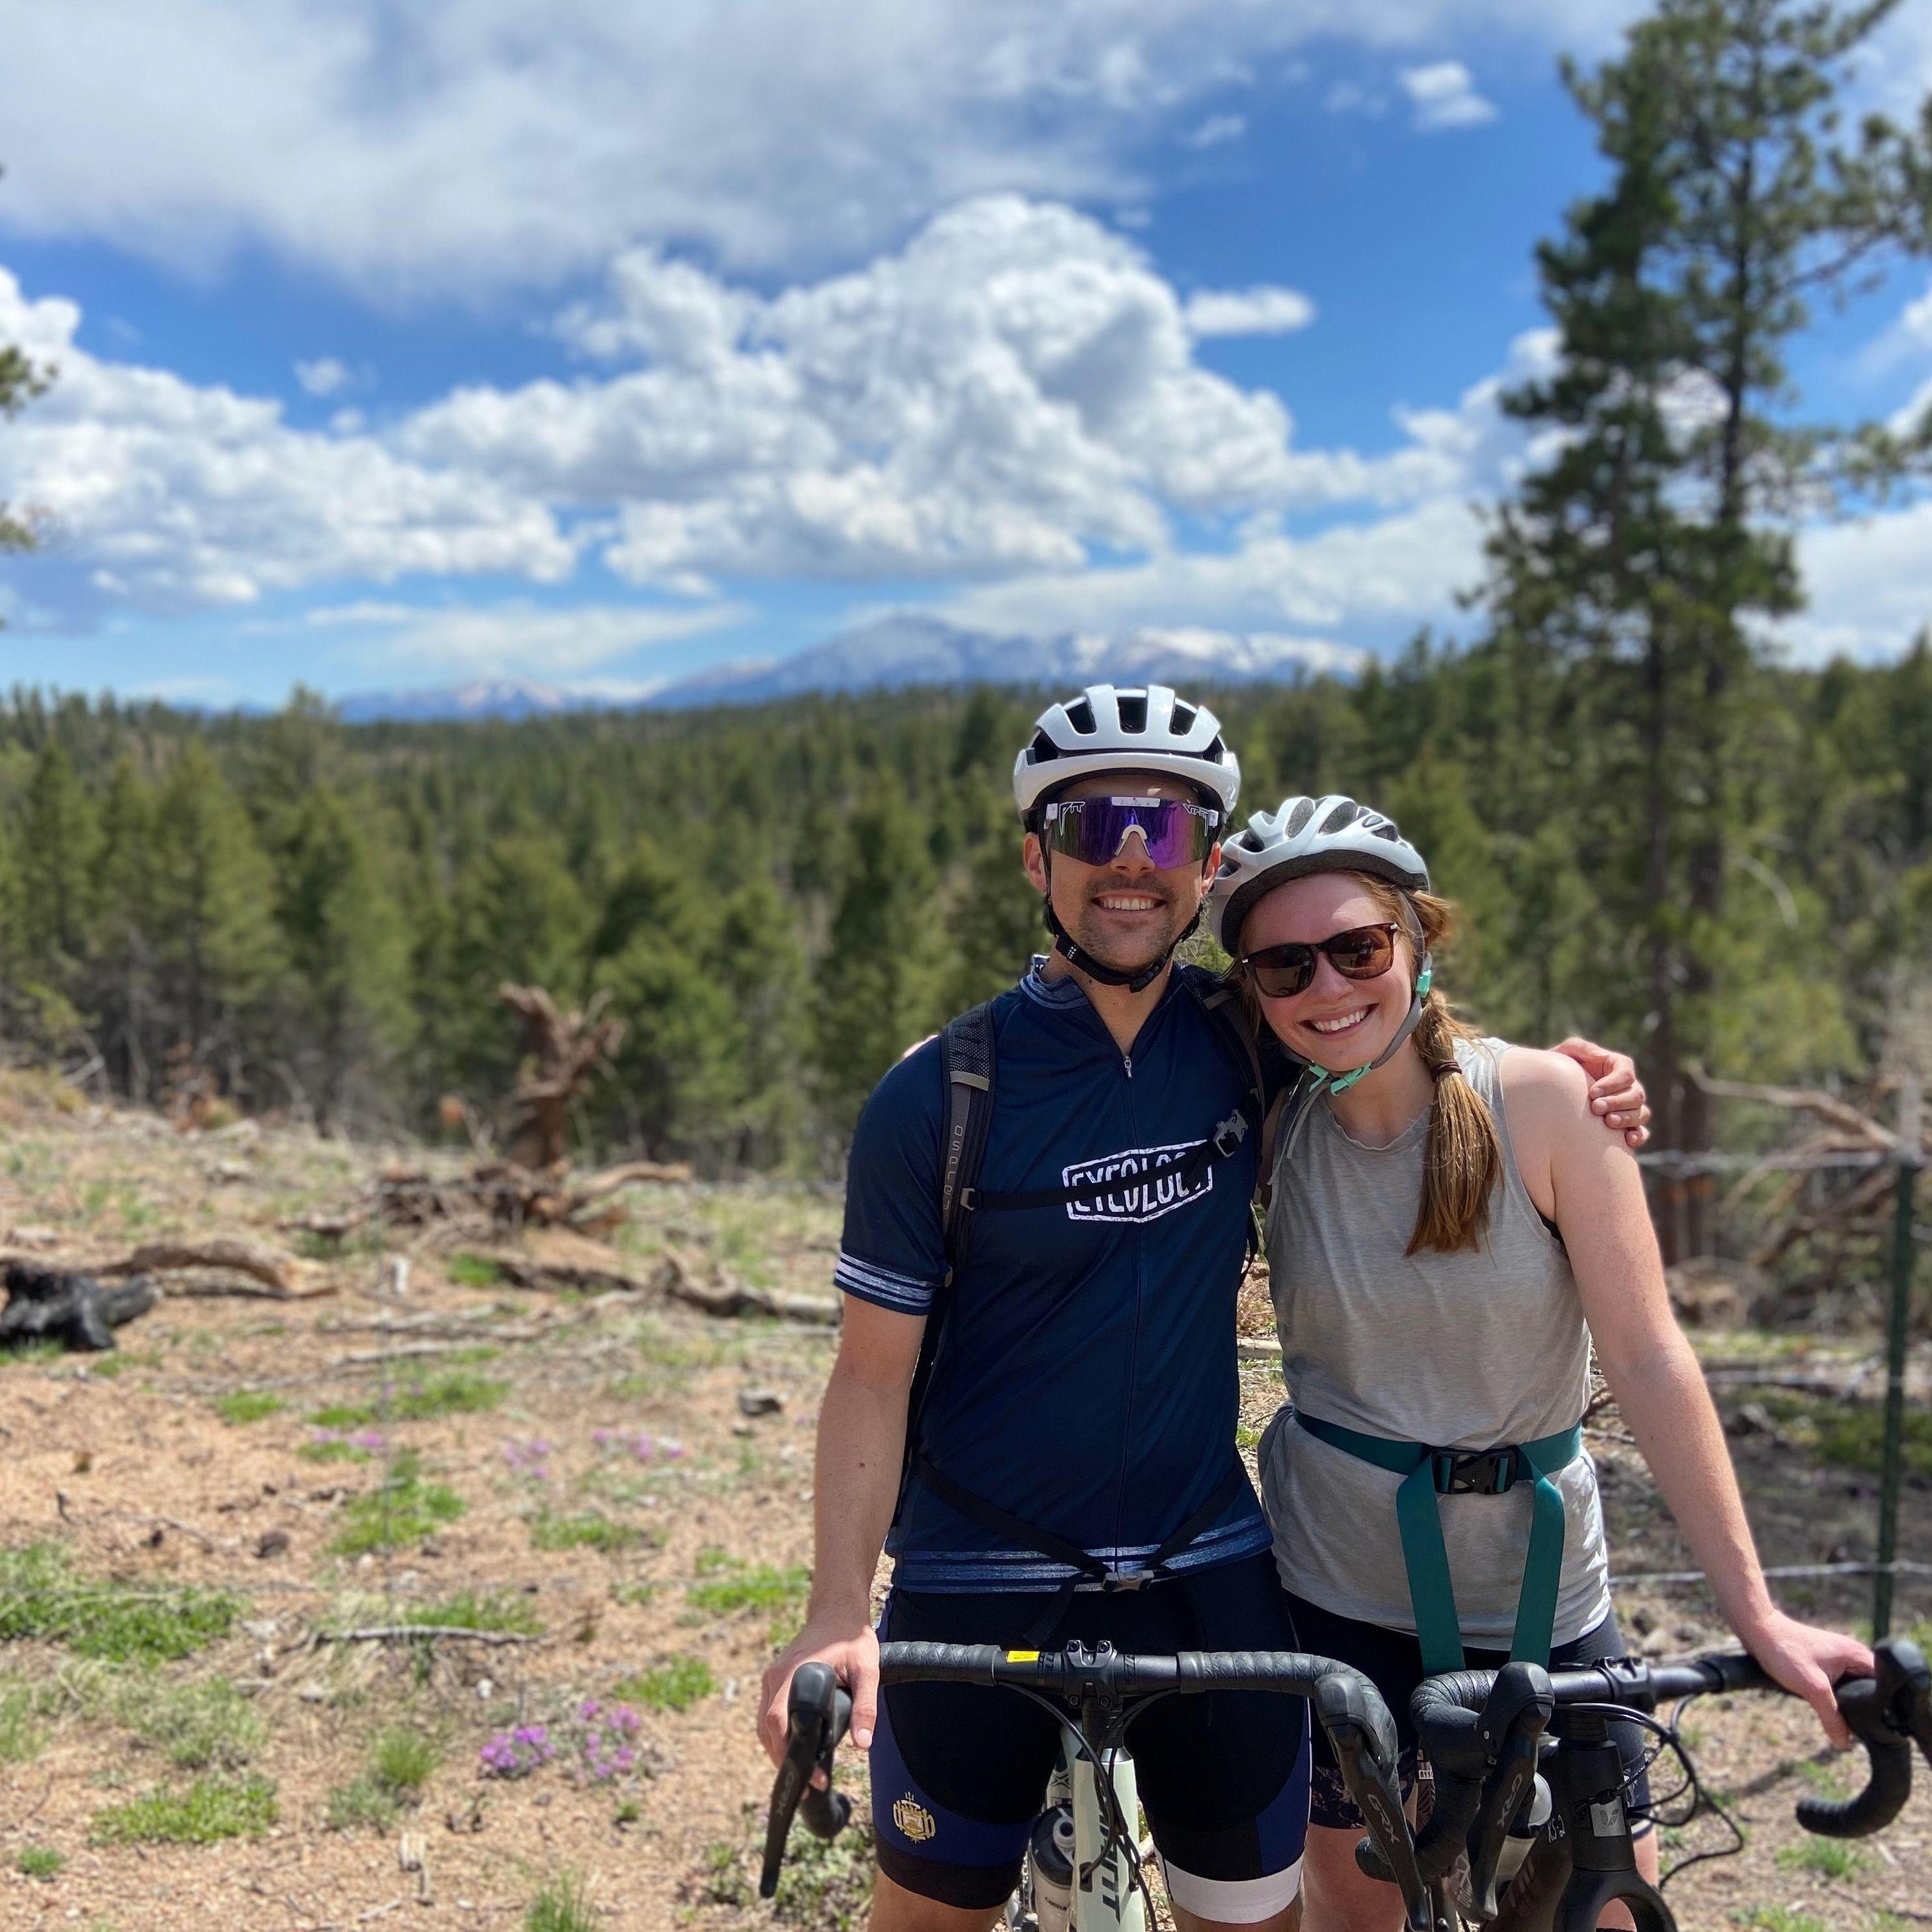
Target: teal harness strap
[[1428, 1473]]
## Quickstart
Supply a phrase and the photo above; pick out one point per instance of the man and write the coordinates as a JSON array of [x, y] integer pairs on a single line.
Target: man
[[1078, 1431]]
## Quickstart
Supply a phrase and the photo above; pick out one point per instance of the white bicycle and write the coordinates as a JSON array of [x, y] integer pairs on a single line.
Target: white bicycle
[[1083, 1868]]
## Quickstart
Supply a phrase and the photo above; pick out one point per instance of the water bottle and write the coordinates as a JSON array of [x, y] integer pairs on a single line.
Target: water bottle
[[1050, 1855], [1526, 1827]]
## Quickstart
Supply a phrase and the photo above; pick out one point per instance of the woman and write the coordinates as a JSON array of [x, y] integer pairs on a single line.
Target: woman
[[1453, 1233]]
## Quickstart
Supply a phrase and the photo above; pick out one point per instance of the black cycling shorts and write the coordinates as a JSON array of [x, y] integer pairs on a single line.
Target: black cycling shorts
[[959, 1771], [1392, 1660]]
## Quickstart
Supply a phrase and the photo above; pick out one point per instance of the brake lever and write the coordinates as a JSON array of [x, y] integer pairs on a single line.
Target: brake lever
[[1912, 1697], [1887, 1713], [1363, 1734], [817, 1713], [1510, 1725]]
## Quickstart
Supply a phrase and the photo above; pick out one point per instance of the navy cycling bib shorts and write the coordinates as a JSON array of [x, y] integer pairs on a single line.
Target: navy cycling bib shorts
[[1086, 1384]]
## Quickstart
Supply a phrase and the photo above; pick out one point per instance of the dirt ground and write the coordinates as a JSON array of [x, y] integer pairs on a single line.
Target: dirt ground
[[620, 1489]]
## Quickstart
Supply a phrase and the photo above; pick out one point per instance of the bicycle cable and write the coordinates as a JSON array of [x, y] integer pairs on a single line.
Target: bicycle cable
[[1117, 1833], [1670, 1736]]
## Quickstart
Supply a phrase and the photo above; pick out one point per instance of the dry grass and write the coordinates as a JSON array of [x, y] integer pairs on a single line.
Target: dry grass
[[571, 1471]]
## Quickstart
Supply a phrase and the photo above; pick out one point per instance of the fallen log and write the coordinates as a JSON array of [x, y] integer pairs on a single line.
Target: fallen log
[[75, 1310], [249, 1258], [732, 1297]]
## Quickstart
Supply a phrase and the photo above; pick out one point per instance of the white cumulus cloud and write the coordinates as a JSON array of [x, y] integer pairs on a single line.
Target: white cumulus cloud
[[326, 376], [1258, 311], [522, 638], [1444, 95], [1016, 384], [164, 495], [471, 145]]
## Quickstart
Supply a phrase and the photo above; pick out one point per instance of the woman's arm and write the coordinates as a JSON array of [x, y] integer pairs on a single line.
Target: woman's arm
[[856, 1485], [1589, 1186]]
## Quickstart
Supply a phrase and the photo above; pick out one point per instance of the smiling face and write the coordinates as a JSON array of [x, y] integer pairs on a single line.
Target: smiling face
[[1336, 1023], [1128, 913]]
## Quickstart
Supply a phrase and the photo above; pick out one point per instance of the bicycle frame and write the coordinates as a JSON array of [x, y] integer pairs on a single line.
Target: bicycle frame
[[1095, 1692], [1108, 1901]]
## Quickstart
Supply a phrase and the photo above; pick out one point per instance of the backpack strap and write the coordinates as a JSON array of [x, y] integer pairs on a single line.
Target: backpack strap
[[966, 1062]]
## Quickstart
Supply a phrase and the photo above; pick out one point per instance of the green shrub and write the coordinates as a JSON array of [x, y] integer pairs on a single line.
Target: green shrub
[[1822, 1857], [402, 1760], [673, 1685], [22, 1736], [209, 1810], [402, 1508], [469, 1271], [500, 1610], [563, 1906], [361, 1803], [201, 1726], [585, 1531], [38, 1861], [243, 1405], [730, 1584], [126, 1623]]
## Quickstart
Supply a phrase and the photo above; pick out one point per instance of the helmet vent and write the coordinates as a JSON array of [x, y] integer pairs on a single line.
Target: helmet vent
[[1080, 715], [1346, 813], [1386, 830], [1043, 748], [1304, 810], [1133, 711], [1184, 721]]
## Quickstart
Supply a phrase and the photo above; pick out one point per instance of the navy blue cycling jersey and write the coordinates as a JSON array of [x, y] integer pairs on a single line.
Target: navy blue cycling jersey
[[1087, 1381]]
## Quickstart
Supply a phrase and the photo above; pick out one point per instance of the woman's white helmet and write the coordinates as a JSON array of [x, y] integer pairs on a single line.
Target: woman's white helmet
[[1107, 729], [1331, 834]]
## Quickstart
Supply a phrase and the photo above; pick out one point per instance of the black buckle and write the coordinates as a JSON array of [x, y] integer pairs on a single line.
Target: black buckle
[[1480, 1472], [1119, 1582]]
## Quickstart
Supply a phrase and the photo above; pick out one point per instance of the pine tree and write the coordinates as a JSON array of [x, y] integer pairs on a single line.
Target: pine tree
[[58, 833], [217, 949], [875, 993], [123, 939], [348, 949], [1657, 538]]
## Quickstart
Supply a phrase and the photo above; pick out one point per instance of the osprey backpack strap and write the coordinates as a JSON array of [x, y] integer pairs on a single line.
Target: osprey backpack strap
[[966, 1061]]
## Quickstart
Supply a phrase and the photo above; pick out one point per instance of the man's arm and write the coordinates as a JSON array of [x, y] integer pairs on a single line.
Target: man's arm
[[861, 1445], [1590, 1186], [1616, 1095]]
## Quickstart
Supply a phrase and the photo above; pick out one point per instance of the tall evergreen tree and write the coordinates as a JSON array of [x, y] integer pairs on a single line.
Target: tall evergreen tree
[[216, 947], [1658, 536], [875, 985], [348, 948]]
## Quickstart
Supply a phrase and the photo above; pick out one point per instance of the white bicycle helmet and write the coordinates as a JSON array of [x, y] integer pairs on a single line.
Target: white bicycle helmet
[[1332, 834], [1106, 729]]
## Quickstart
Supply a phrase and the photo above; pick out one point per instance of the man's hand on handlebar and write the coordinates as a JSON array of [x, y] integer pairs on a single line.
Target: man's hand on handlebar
[[1809, 1662], [853, 1654]]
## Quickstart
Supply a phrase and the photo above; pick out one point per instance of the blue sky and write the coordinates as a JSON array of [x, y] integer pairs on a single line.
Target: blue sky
[[401, 347]]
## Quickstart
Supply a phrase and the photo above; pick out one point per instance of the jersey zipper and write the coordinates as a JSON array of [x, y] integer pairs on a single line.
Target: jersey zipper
[[1136, 1240]]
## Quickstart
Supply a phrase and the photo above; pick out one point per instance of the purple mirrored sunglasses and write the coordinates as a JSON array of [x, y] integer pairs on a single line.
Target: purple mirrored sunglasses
[[1093, 830]]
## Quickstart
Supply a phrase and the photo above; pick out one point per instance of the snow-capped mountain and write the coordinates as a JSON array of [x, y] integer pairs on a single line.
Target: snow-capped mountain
[[894, 652], [506, 698], [890, 654]]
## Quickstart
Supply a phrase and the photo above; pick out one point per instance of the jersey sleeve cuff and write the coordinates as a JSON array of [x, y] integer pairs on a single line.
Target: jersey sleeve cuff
[[886, 1288]]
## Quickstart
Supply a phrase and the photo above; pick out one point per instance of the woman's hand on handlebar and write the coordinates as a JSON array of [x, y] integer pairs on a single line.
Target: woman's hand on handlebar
[[853, 1654], [1809, 1663]]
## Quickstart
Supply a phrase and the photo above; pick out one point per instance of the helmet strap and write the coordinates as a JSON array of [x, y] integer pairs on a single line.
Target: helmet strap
[[1076, 954], [1335, 1083]]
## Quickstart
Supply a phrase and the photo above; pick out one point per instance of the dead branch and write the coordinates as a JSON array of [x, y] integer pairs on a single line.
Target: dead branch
[[612, 1178], [564, 1050], [1855, 1201], [732, 1297], [1802, 1099], [390, 1633], [247, 1258]]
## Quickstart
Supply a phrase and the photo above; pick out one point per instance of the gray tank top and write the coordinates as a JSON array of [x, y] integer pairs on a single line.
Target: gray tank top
[[1463, 1350]]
